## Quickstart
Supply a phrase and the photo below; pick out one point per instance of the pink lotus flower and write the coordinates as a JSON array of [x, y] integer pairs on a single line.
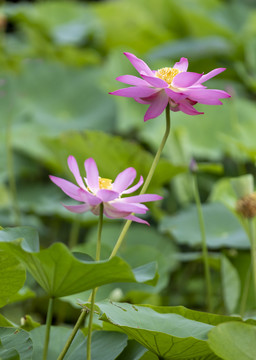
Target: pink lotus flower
[[94, 190], [176, 86]]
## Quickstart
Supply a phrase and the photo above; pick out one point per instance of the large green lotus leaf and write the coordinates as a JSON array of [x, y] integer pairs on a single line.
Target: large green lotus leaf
[[228, 233], [231, 286], [149, 356], [227, 129], [233, 340], [223, 192], [142, 245], [25, 235], [171, 333], [242, 140], [105, 345], [60, 36], [205, 47], [12, 276], [242, 263], [38, 113], [5, 322], [133, 350], [15, 344], [197, 137], [119, 29], [61, 274], [76, 22], [46, 200], [58, 338], [23, 294], [107, 149]]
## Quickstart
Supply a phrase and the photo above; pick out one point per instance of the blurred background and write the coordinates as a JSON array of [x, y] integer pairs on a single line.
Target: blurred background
[[58, 61]]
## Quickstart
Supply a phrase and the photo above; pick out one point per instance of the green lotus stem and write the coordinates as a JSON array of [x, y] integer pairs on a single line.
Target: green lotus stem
[[91, 299], [245, 291], [148, 179], [48, 328], [73, 334], [11, 176], [204, 245], [251, 232], [74, 232]]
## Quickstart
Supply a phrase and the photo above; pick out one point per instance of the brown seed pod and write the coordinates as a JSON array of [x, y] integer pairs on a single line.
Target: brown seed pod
[[246, 206]]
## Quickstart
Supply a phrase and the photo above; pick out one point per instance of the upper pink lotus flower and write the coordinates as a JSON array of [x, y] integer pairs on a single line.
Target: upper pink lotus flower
[[176, 86], [94, 190]]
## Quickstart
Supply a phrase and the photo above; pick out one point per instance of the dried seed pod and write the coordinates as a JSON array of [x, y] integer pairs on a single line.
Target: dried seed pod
[[246, 206]]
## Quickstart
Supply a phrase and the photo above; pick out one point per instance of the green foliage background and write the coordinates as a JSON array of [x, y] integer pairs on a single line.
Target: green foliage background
[[58, 61]]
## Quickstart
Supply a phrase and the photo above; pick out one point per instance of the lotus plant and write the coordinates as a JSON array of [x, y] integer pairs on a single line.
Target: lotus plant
[[175, 86], [101, 196], [171, 89]]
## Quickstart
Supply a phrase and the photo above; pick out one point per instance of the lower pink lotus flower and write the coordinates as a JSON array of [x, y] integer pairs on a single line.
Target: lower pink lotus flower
[[94, 190], [176, 86]]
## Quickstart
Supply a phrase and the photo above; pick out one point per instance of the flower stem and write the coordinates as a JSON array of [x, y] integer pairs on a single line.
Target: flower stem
[[11, 175], [245, 291], [92, 299], [74, 233], [251, 232], [72, 335], [48, 328], [204, 245], [148, 179]]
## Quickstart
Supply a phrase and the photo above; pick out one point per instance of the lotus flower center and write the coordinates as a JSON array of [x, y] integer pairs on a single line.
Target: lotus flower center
[[167, 74], [105, 183]]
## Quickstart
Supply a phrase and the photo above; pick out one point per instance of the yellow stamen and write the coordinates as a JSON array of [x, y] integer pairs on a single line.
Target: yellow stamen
[[105, 183], [167, 74]]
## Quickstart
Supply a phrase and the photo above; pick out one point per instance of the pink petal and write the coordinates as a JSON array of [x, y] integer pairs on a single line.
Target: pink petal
[[72, 164], [142, 101], [155, 81], [135, 187], [142, 198], [182, 65], [185, 79], [113, 213], [95, 210], [89, 198], [187, 108], [107, 195], [139, 64], [78, 208], [132, 80], [124, 179], [136, 219], [175, 96], [92, 174], [135, 92], [211, 74], [208, 96], [157, 106], [137, 208], [67, 187]]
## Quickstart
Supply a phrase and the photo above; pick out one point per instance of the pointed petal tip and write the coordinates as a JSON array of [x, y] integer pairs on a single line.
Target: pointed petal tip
[[53, 178], [146, 118]]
